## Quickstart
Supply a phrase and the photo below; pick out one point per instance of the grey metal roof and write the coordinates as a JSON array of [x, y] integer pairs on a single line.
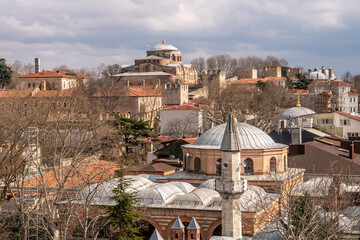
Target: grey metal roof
[[163, 46], [250, 138], [193, 224], [156, 236], [178, 224], [230, 141], [295, 112], [135, 74]]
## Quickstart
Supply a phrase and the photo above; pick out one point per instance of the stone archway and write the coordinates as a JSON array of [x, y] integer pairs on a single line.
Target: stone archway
[[156, 226], [212, 228]]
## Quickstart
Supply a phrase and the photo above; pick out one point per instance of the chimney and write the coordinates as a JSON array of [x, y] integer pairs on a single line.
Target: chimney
[[330, 72], [351, 150], [309, 73], [37, 65], [43, 85]]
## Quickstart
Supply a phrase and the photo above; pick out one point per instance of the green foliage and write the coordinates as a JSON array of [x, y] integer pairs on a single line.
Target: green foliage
[[132, 130], [5, 73], [302, 83], [261, 85], [123, 215]]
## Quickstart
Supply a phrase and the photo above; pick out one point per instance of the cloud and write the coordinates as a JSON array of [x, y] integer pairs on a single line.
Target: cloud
[[83, 33]]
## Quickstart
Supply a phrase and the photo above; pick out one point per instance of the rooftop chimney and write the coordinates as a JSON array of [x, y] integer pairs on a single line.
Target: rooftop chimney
[[37, 65], [309, 73], [330, 72]]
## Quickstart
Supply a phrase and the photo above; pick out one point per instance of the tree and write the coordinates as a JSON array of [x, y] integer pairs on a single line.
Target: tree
[[347, 77], [127, 135], [5, 73], [302, 82], [199, 64], [123, 216]]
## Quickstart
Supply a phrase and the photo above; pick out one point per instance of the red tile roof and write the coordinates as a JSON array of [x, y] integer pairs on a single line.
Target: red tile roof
[[357, 118], [83, 174], [15, 93], [52, 74], [187, 106], [129, 91], [329, 83], [255, 80], [298, 91]]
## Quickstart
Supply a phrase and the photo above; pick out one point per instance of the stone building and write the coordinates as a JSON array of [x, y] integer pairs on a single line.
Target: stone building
[[162, 64], [54, 80]]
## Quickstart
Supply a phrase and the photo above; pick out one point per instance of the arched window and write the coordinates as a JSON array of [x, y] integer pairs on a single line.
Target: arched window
[[218, 167], [248, 166], [272, 165], [197, 165], [146, 68]]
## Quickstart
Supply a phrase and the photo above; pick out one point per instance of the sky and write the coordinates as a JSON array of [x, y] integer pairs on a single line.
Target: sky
[[86, 33]]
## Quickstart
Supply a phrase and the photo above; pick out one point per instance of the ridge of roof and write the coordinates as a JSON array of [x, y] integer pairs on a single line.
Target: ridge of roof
[[52, 74], [349, 115]]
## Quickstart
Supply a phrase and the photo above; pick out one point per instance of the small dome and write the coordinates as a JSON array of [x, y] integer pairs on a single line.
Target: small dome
[[163, 46], [201, 197], [250, 138], [317, 74], [295, 112], [159, 194]]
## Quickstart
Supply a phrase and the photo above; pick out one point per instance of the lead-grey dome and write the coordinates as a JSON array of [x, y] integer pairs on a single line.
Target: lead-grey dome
[[163, 46], [250, 138], [295, 112]]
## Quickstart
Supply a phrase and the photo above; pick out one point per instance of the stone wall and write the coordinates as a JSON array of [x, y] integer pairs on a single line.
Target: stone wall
[[174, 94]]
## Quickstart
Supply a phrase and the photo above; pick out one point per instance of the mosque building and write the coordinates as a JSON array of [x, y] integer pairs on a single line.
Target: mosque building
[[162, 64], [233, 177]]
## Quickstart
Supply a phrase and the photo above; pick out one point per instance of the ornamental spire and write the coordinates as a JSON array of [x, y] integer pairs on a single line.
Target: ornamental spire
[[163, 41], [230, 141], [298, 103]]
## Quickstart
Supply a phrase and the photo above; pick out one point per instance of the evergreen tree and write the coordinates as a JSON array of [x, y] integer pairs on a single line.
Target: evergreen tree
[[5, 73], [123, 215]]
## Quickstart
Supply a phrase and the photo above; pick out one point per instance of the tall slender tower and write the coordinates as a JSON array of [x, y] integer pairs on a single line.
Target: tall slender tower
[[230, 185]]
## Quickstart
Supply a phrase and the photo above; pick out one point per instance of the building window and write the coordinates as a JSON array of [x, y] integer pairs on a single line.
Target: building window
[[197, 165], [29, 85], [325, 121], [248, 167], [344, 122], [284, 163], [272, 165], [176, 235], [218, 167]]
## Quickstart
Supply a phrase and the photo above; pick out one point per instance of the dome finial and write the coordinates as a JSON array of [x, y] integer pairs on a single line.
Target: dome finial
[[163, 41], [234, 111], [298, 103]]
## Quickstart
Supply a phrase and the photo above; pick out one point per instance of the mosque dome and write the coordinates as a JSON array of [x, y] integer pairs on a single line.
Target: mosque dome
[[295, 112], [164, 46], [250, 138], [318, 74]]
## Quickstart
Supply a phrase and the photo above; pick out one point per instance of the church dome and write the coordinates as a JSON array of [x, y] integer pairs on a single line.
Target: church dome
[[295, 112], [250, 138], [163, 46]]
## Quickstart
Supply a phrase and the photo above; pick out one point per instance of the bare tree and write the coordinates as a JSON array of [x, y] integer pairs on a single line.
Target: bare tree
[[199, 64], [347, 77]]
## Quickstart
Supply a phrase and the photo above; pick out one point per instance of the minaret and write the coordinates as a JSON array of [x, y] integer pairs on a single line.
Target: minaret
[[230, 185]]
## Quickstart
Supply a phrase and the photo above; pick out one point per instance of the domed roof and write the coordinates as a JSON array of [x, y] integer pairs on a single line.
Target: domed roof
[[295, 112], [163, 46], [250, 137], [317, 74]]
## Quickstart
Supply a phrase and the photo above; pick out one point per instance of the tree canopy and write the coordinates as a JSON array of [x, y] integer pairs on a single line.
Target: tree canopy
[[5, 73]]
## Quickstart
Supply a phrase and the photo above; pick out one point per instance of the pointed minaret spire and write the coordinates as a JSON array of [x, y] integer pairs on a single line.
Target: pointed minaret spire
[[163, 41], [156, 236], [230, 141], [193, 224]]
